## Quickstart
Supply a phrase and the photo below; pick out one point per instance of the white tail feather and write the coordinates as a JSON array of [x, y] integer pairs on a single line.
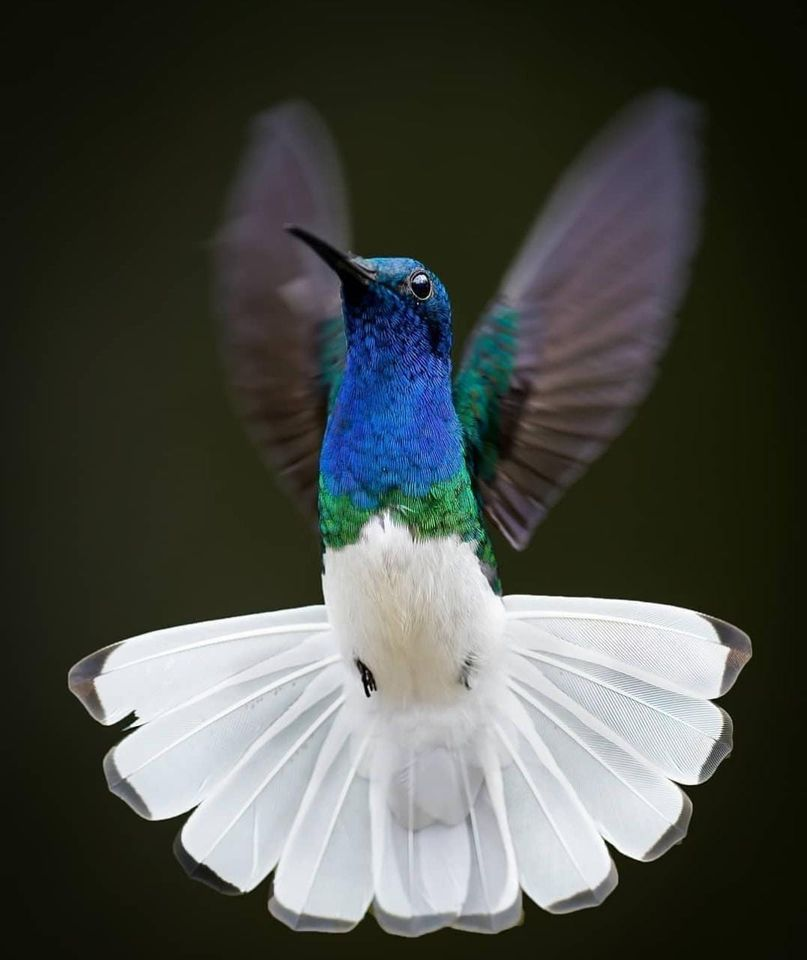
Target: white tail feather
[[239, 832], [493, 900], [435, 819], [171, 764], [156, 671], [563, 863], [634, 806], [700, 655], [421, 864], [324, 879]]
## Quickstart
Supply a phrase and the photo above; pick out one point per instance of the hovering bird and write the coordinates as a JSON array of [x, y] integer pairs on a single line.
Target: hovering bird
[[420, 744]]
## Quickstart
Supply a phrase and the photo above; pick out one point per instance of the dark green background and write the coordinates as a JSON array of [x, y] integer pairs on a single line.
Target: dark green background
[[135, 501]]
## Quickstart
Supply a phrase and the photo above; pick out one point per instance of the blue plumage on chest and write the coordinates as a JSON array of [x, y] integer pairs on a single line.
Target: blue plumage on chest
[[393, 425], [391, 428]]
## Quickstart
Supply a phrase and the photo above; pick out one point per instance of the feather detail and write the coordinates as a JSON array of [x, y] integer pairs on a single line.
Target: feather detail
[[324, 879], [254, 806], [635, 807], [493, 900], [699, 654], [171, 764], [562, 861], [421, 864], [152, 673]]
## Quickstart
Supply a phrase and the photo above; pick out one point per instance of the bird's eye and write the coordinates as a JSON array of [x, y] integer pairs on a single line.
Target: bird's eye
[[421, 285]]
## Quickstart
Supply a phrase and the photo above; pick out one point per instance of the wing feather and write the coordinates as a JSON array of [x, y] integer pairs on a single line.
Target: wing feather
[[569, 346], [282, 334]]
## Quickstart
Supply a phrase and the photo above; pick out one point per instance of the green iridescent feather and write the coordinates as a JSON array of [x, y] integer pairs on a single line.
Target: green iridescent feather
[[448, 509], [480, 386], [332, 351]]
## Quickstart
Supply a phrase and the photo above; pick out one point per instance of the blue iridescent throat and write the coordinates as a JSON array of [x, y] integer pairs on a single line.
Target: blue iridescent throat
[[390, 430], [393, 425]]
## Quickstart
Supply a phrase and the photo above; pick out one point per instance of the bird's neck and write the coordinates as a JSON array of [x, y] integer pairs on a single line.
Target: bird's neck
[[394, 444]]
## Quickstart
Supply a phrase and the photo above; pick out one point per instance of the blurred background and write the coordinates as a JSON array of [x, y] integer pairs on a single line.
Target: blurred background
[[134, 501]]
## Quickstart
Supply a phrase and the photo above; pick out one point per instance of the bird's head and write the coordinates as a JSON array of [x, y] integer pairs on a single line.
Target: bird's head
[[393, 306]]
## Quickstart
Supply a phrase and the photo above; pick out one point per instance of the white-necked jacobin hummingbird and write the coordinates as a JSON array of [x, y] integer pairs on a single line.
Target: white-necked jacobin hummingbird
[[421, 744]]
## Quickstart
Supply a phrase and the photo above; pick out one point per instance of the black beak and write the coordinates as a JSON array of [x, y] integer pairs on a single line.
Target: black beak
[[348, 268]]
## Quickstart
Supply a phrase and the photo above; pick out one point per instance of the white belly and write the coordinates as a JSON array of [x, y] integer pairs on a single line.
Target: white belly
[[419, 614]]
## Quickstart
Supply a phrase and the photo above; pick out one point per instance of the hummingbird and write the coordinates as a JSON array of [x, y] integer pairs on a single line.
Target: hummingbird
[[422, 745]]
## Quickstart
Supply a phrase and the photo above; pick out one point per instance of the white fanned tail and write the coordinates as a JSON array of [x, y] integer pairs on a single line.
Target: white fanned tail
[[429, 816]]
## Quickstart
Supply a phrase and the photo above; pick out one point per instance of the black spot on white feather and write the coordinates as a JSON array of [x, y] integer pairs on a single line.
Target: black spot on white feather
[[487, 923], [721, 749], [81, 682], [673, 835], [304, 923], [587, 898], [201, 872], [367, 678], [739, 645], [468, 671], [416, 926], [121, 787]]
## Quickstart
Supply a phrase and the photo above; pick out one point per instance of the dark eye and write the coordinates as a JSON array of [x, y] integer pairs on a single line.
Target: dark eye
[[421, 285]]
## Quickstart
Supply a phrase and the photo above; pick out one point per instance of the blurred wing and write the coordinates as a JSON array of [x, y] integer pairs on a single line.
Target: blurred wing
[[569, 347], [282, 335]]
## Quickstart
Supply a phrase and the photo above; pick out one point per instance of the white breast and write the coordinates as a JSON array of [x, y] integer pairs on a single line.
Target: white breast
[[418, 613]]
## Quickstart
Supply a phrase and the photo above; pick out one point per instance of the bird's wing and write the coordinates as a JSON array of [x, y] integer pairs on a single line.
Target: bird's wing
[[569, 346], [282, 333]]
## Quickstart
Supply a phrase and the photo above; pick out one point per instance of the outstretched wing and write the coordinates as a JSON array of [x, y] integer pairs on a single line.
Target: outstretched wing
[[569, 346], [282, 333]]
